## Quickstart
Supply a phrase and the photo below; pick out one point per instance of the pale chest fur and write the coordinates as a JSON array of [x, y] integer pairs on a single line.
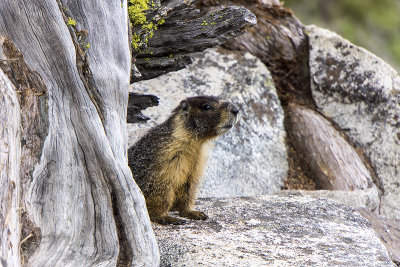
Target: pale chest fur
[[183, 159]]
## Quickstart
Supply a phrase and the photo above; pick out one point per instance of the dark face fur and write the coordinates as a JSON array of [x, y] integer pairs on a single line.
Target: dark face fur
[[208, 116]]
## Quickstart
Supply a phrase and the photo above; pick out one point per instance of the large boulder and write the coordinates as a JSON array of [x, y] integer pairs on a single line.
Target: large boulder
[[251, 158], [361, 94], [272, 230]]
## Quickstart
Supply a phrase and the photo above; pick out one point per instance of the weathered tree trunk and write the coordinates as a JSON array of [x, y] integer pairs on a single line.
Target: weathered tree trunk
[[80, 204]]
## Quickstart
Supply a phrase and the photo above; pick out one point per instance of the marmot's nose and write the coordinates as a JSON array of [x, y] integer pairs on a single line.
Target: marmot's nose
[[234, 110]]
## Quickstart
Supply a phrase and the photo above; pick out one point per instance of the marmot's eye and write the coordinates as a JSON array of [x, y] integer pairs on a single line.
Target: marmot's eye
[[206, 107]]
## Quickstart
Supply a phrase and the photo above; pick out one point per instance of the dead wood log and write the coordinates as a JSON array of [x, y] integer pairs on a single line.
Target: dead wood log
[[138, 102], [182, 32], [334, 162]]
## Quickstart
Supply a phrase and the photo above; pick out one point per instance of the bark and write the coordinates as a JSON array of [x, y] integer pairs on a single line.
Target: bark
[[184, 32], [330, 158], [79, 201], [138, 102]]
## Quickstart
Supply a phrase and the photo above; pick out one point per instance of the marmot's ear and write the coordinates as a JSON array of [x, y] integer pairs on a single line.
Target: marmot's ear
[[184, 105]]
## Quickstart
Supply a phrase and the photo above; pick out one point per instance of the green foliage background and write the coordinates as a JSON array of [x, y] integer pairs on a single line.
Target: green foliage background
[[372, 24]]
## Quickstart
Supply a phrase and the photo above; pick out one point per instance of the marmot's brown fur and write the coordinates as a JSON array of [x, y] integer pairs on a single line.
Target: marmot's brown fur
[[168, 161]]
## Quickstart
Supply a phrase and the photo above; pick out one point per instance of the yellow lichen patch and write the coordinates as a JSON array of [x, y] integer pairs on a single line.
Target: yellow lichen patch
[[71, 22], [137, 14], [135, 41], [136, 11], [148, 26]]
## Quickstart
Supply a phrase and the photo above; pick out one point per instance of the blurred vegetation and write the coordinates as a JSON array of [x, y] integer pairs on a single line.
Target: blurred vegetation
[[372, 24]]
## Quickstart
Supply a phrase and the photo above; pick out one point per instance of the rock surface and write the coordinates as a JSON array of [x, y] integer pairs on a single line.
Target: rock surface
[[388, 230], [251, 158], [272, 230], [361, 94], [360, 199]]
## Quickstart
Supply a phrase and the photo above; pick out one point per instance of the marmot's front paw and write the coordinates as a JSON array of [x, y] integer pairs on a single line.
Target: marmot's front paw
[[194, 214]]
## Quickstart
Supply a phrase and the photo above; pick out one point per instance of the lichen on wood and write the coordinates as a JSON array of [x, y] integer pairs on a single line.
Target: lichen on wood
[[143, 21], [174, 29]]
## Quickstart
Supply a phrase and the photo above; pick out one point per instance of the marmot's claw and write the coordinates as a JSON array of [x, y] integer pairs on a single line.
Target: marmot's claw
[[194, 215]]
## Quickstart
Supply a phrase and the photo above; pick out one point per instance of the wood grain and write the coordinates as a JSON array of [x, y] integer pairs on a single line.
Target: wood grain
[[334, 162], [184, 32], [83, 161]]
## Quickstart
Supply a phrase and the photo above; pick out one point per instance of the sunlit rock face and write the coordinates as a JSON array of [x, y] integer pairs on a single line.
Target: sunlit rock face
[[272, 230]]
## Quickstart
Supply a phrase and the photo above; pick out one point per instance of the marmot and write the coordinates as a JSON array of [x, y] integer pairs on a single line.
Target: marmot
[[168, 161]]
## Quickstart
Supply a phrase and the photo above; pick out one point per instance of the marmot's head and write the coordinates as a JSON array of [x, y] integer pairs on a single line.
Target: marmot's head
[[207, 116]]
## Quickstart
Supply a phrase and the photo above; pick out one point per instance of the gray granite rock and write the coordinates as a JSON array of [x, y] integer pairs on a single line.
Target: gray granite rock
[[272, 231], [251, 158], [361, 94], [388, 230], [367, 199]]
